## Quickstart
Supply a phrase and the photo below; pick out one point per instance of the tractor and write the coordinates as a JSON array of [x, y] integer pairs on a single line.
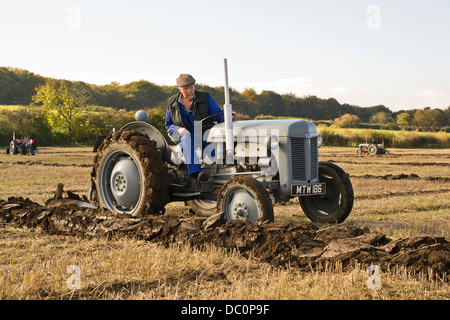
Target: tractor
[[250, 165], [22, 146], [372, 148]]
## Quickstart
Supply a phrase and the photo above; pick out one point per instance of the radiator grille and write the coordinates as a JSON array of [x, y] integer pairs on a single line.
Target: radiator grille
[[314, 159], [304, 165], [298, 158]]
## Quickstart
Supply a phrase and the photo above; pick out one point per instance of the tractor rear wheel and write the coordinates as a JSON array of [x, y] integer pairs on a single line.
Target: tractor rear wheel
[[244, 198], [373, 149], [129, 175], [337, 203]]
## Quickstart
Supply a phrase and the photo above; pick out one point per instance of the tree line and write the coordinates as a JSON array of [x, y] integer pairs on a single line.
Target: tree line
[[66, 107]]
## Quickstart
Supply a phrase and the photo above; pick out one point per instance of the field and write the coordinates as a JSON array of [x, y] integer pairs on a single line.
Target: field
[[402, 198], [334, 136]]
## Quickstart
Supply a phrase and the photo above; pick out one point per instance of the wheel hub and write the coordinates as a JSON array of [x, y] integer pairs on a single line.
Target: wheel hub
[[120, 183], [241, 205], [241, 211], [125, 183]]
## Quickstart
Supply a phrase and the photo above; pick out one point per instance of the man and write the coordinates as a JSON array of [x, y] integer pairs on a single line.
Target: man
[[184, 108]]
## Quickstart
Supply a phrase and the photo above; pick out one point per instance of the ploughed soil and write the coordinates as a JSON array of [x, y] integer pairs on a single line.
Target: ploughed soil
[[303, 246]]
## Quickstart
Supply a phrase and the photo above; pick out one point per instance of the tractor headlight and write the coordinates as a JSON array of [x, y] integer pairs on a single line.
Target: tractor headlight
[[319, 141], [141, 115], [272, 142]]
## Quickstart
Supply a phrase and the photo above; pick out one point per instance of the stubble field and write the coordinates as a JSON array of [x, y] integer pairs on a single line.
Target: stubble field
[[398, 197]]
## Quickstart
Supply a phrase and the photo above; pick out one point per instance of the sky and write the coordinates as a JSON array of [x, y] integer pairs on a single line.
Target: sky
[[365, 53]]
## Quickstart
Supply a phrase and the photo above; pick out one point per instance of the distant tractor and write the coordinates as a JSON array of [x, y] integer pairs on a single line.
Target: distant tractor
[[372, 148], [22, 146]]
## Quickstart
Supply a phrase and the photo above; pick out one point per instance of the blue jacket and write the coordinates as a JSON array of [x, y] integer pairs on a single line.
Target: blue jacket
[[213, 108]]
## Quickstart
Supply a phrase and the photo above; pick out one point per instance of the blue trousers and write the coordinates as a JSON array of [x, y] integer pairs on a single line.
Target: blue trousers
[[189, 143]]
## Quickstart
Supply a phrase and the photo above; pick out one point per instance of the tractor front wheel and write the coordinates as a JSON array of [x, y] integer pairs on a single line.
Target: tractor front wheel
[[13, 149], [337, 203], [244, 198]]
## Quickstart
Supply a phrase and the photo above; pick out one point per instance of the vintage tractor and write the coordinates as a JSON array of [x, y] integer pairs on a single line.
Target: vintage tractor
[[249, 164], [22, 146], [372, 148]]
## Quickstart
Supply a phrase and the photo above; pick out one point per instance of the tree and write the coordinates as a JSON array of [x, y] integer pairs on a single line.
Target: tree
[[17, 86], [249, 94], [347, 121], [428, 118], [61, 103], [404, 120], [311, 107], [447, 116], [83, 92], [142, 94], [437, 118], [382, 118], [109, 95], [271, 103]]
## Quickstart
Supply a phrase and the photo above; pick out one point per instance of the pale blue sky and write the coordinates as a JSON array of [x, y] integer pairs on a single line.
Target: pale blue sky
[[395, 53]]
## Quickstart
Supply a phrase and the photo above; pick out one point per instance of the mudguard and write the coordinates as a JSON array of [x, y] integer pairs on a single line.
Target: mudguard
[[152, 133]]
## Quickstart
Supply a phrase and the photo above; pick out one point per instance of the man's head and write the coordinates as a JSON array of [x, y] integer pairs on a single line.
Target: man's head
[[186, 86]]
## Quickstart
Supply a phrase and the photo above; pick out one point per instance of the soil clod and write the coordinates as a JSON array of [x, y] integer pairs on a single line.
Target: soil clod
[[299, 245]]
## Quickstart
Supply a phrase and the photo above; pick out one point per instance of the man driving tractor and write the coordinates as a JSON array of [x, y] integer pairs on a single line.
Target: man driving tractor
[[185, 108]]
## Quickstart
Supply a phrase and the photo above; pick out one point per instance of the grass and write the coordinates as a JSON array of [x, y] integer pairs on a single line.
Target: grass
[[352, 137], [12, 107], [34, 265], [38, 182]]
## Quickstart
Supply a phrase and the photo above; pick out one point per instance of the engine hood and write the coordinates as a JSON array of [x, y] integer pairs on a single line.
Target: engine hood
[[251, 128]]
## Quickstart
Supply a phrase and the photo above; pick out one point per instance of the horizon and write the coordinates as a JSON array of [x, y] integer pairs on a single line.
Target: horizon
[[231, 88], [362, 53]]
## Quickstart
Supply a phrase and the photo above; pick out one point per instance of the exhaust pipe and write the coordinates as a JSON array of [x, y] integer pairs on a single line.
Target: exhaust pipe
[[228, 115]]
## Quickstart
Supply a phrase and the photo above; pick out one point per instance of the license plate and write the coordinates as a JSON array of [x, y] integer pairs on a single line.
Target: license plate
[[308, 189]]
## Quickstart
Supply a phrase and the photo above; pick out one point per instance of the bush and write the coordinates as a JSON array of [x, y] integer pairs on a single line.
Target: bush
[[25, 121], [442, 139], [347, 121], [332, 138]]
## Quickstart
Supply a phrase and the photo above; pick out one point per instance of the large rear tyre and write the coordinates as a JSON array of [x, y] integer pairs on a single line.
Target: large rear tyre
[[337, 203], [373, 149], [244, 198], [129, 175]]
